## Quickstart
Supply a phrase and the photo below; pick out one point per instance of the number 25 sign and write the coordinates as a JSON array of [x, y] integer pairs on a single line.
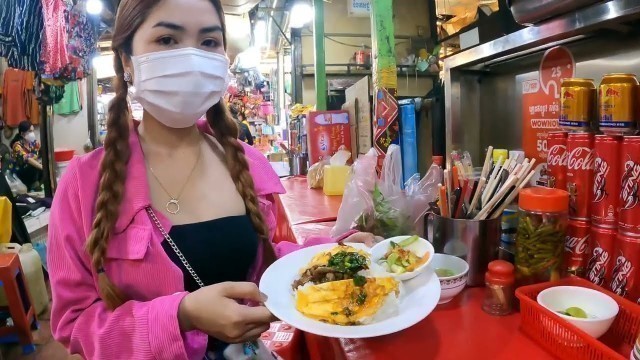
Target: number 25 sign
[[557, 64]]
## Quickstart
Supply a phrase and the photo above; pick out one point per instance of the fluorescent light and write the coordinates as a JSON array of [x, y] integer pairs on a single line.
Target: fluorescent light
[[260, 33], [94, 7], [301, 14]]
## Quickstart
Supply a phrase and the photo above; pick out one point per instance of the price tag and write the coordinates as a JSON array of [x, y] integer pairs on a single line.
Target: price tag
[[557, 64]]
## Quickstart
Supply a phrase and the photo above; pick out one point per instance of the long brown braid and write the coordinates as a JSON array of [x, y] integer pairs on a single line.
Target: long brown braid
[[131, 14]]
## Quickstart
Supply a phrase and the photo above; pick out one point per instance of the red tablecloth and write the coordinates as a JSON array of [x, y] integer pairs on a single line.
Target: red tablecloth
[[458, 330], [301, 205]]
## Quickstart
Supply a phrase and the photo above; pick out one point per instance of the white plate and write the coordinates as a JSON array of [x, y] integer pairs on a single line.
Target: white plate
[[419, 297]]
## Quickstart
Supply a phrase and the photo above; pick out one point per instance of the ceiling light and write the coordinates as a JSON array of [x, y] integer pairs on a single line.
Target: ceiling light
[[301, 14], [94, 7], [260, 33]]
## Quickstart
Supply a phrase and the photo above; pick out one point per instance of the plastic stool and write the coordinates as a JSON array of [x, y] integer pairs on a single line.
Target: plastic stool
[[20, 304], [284, 340]]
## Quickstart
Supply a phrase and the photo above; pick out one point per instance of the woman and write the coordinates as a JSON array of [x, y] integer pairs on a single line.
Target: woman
[[245, 134], [153, 255], [26, 163]]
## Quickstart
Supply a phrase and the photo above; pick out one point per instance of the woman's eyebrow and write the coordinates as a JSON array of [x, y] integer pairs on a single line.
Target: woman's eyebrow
[[211, 29], [170, 25]]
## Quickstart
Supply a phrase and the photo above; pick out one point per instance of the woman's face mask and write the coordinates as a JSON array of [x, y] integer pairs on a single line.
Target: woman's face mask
[[178, 86], [30, 137]]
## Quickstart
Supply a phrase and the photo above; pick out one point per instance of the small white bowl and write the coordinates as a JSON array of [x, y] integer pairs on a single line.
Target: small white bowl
[[450, 285], [419, 247], [600, 308]]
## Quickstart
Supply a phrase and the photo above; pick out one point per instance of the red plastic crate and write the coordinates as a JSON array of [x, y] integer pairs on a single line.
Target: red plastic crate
[[284, 340], [566, 341]]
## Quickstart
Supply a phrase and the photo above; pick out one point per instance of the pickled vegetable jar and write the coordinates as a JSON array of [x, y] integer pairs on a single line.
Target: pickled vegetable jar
[[542, 224]]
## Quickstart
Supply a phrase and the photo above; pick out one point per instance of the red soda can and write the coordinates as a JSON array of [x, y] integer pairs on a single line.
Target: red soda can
[[606, 181], [629, 216], [576, 247], [557, 159], [625, 267], [580, 175], [602, 248]]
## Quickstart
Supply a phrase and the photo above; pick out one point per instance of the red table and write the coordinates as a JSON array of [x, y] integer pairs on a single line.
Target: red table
[[301, 205], [458, 330]]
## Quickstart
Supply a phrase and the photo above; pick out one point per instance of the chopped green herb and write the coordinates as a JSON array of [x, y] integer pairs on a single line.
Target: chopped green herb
[[335, 313], [359, 280], [362, 297], [347, 312], [348, 262]]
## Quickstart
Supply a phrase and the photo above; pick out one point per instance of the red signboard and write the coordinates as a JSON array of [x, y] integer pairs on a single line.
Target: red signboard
[[541, 104], [327, 132]]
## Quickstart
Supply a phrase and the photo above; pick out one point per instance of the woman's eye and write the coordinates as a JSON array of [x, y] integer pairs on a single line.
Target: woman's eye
[[166, 41], [212, 43]]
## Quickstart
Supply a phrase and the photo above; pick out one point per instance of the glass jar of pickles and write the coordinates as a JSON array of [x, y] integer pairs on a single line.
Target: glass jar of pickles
[[542, 223]]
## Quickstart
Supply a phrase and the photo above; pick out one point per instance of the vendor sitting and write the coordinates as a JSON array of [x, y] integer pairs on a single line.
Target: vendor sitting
[[26, 164]]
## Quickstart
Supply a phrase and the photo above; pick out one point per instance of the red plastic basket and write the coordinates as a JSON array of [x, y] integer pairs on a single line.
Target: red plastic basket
[[567, 341]]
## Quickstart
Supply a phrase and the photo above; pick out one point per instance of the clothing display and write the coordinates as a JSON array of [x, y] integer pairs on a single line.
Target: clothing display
[[200, 245], [70, 103], [18, 99], [21, 23], [54, 45]]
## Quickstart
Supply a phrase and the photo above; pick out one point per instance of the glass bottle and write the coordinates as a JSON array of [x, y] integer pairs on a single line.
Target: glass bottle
[[499, 292]]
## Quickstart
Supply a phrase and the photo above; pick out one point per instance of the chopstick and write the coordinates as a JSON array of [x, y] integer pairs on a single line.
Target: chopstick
[[444, 206], [477, 195]]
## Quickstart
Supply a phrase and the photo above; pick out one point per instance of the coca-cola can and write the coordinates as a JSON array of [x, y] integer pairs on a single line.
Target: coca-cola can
[[576, 247], [625, 267], [606, 180], [602, 248], [557, 159], [629, 213], [580, 174]]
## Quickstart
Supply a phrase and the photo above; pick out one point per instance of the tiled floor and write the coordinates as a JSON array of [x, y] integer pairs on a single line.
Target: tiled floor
[[46, 347]]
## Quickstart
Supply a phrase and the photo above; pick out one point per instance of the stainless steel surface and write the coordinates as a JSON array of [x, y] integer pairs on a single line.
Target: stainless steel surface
[[533, 11], [475, 241], [483, 84]]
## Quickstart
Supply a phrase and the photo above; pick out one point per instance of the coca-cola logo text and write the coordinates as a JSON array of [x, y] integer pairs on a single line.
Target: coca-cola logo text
[[576, 244], [557, 156], [599, 182], [620, 274], [580, 158], [597, 264], [629, 186]]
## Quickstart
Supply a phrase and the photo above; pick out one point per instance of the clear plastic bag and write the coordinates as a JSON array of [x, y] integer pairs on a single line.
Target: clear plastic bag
[[382, 207], [17, 187], [315, 174]]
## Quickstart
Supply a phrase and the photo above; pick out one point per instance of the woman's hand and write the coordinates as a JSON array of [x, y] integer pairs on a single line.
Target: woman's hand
[[363, 238], [215, 311]]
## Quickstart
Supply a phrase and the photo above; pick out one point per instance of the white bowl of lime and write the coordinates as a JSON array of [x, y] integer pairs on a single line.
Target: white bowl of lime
[[589, 310], [404, 257]]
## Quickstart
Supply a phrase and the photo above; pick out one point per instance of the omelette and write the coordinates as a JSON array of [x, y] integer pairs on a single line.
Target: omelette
[[347, 302]]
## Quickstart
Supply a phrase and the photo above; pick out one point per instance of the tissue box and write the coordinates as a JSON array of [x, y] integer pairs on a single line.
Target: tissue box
[[327, 131], [335, 179]]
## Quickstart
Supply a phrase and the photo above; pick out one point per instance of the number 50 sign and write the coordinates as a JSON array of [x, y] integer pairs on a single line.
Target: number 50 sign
[[557, 64]]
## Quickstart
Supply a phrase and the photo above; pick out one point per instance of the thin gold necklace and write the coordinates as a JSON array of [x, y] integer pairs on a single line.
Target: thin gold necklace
[[173, 205]]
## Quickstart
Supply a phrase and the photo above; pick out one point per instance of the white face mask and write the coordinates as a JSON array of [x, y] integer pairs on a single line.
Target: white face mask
[[30, 137], [178, 86]]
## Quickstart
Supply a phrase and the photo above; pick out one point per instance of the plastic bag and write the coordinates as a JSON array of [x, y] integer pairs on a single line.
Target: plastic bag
[[315, 175], [382, 207], [17, 187]]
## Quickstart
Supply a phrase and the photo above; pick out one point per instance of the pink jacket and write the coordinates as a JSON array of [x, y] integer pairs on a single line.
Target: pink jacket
[[147, 326]]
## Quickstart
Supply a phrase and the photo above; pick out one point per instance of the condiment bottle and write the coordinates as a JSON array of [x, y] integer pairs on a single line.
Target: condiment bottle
[[542, 223], [500, 288]]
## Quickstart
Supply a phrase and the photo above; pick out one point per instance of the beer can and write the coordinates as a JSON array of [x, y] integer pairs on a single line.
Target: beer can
[[580, 164], [557, 159], [606, 180], [629, 207], [576, 248], [617, 101], [625, 267], [577, 104], [602, 249]]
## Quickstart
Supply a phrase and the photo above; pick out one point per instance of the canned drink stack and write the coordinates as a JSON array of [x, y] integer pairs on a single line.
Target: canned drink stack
[[617, 104], [557, 159], [580, 165], [602, 242], [629, 215], [578, 104], [576, 248], [606, 181], [625, 267]]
